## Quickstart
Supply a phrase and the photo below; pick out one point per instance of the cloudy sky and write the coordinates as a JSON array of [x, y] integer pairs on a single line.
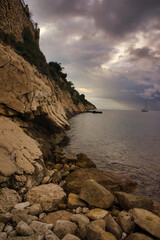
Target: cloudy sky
[[110, 48]]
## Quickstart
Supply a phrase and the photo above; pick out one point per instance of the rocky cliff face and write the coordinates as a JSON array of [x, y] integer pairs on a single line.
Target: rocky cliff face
[[32, 111]]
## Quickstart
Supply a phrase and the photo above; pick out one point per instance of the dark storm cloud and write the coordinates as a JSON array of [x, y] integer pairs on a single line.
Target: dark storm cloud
[[110, 48], [125, 16]]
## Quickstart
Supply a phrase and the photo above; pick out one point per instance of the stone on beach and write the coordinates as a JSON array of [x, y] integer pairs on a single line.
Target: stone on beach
[[110, 180], [52, 218], [74, 201], [138, 236], [64, 227], [112, 226], [8, 199], [129, 201], [48, 195], [96, 195], [40, 227], [84, 162], [24, 229], [70, 237], [126, 221], [147, 221], [96, 213]]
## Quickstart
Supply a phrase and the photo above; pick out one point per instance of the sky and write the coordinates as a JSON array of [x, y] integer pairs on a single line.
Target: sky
[[110, 49]]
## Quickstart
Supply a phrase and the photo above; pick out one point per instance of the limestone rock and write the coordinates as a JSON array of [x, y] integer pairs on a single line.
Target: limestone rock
[[84, 162], [48, 195], [97, 213], [129, 201], [112, 226], [39, 227], [24, 229], [74, 201], [51, 218], [64, 227], [70, 237], [147, 221], [21, 206], [138, 236], [109, 180], [96, 195], [97, 233], [126, 221], [8, 199]]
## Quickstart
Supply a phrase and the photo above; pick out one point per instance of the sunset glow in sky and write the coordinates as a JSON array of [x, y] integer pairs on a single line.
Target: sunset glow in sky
[[110, 48]]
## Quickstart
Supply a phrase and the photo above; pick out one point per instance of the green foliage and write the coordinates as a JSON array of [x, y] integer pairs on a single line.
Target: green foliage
[[29, 49], [8, 38]]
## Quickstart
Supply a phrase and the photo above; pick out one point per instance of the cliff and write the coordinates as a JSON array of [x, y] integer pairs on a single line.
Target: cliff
[[33, 110]]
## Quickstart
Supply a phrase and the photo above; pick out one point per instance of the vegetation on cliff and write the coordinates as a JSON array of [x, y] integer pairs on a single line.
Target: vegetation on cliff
[[30, 51]]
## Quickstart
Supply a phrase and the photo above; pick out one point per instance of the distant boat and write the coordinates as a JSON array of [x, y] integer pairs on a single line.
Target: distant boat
[[145, 109]]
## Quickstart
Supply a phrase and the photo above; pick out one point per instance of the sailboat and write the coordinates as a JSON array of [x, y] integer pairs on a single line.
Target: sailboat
[[145, 109]]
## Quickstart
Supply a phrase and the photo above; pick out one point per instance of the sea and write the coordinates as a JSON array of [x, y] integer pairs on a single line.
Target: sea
[[126, 142]]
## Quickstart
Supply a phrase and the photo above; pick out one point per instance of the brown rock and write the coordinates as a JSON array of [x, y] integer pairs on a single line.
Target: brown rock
[[51, 218], [64, 227], [147, 221], [84, 162], [8, 199], [96, 213], [126, 221], [96, 195], [48, 195], [109, 180], [138, 236], [129, 201], [112, 226], [74, 201]]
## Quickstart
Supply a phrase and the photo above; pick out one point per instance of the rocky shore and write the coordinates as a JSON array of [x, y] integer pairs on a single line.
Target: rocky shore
[[75, 201]]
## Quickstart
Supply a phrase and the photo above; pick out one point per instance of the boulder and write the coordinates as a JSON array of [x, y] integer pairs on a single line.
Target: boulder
[[23, 217], [70, 237], [3, 235], [49, 235], [35, 209], [138, 236], [97, 233], [110, 180], [80, 218], [74, 201], [101, 223], [96, 195], [2, 225], [48, 195], [84, 162], [24, 229], [8, 199], [51, 218], [112, 226], [64, 227], [147, 221], [21, 206], [39, 227], [96, 213], [129, 201], [126, 221], [6, 217]]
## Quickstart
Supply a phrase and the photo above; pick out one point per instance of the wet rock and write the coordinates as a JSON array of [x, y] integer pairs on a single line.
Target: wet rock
[[129, 201], [97, 233], [64, 227], [110, 180], [97, 213], [24, 229], [70, 237], [39, 227], [112, 226], [52, 218], [147, 221], [138, 236], [8, 199], [74, 201], [96, 195], [48, 195], [84, 162], [126, 221]]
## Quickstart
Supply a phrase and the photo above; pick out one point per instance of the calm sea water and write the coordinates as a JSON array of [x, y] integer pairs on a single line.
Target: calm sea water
[[127, 142]]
